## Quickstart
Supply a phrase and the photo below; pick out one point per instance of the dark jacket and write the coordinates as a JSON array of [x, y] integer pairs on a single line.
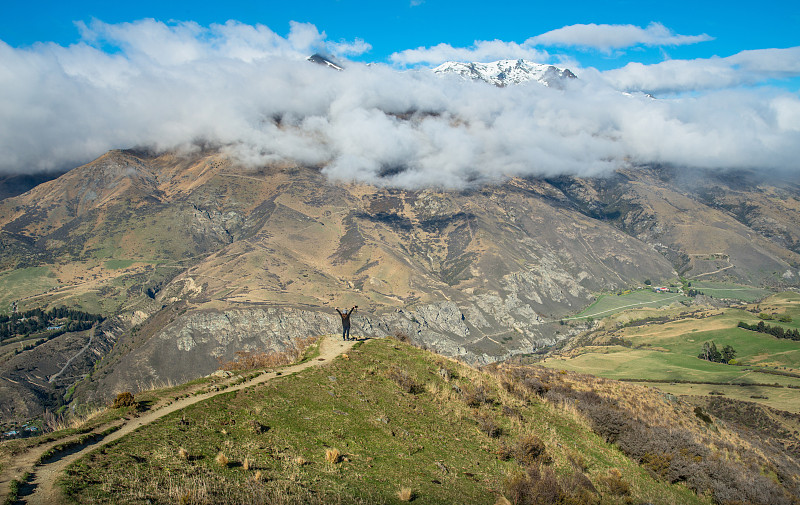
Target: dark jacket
[[346, 316]]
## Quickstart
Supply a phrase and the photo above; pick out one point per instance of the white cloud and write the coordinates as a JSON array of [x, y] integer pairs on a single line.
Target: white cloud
[[746, 67], [607, 37], [354, 48], [252, 91], [481, 50]]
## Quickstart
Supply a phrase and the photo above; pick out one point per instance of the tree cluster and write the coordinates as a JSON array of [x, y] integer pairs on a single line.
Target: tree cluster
[[775, 331], [711, 353], [58, 319]]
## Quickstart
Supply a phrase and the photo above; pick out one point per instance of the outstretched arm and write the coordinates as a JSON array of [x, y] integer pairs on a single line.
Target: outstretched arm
[[340, 312], [353, 309]]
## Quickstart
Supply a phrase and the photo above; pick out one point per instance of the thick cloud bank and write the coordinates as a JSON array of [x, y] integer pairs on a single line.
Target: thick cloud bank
[[248, 89]]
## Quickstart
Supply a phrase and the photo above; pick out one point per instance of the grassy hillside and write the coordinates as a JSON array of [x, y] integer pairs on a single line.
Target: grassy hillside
[[389, 423]]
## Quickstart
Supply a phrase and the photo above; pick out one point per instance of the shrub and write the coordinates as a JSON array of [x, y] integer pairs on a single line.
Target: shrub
[[404, 380], [401, 336], [183, 453], [476, 396], [613, 480], [606, 421], [124, 400], [528, 450], [536, 486], [702, 415], [488, 426], [257, 427]]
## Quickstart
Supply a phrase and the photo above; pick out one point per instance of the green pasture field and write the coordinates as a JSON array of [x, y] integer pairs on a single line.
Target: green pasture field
[[607, 305], [730, 290], [667, 352], [22, 282]]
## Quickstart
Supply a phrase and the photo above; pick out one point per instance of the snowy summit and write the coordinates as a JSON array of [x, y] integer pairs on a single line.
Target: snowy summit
[[505, 72]]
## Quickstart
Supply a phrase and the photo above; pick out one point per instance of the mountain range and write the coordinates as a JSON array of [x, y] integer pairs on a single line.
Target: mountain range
[[193, 257], [508, 72]]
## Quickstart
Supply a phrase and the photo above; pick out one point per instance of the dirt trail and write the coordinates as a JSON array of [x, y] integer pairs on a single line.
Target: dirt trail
[[42, 488]]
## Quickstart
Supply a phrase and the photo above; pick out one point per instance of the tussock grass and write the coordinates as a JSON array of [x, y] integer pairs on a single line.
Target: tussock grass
[[333, 456], [405, 494], [221, 459]]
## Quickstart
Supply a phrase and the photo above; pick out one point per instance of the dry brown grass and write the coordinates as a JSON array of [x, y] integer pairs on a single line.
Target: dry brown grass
[[332, 455], [250, 360], [183, 453], [405, 494], [258, 476], [221, 459], [246, 464]]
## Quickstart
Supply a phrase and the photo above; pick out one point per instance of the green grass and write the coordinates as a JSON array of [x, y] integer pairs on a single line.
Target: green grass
[[118, 264], [730, 290], [24, 282], [668, 352], [428, 440], [610, 304]]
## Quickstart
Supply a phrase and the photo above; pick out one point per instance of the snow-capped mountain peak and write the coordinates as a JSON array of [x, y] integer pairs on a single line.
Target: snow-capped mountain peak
[[505, 72], [324, 60]]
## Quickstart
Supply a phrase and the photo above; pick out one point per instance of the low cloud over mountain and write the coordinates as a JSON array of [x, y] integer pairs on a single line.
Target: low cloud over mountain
[[245, 87]]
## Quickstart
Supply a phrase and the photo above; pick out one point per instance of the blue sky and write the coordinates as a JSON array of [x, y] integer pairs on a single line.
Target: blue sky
[[391, 26]]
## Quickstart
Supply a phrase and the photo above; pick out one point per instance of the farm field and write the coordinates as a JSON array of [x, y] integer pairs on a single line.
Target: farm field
[[607, 305], [666, 352], [23, 282], [730, 290]]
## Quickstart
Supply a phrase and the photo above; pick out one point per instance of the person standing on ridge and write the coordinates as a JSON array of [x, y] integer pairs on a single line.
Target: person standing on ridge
[[346, 321]]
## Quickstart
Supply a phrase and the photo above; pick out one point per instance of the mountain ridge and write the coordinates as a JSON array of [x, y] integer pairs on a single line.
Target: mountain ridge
[[508, 72], [188, 253]]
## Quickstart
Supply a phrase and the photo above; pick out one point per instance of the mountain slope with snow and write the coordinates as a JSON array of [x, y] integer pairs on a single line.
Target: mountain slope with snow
[[504, 72]]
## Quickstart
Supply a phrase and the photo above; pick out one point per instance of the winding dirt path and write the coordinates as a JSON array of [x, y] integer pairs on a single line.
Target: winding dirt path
[[42, 487]]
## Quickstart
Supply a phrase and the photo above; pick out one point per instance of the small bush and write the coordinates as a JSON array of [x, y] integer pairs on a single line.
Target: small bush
[[702, 415], [183, 453], [124, 400], [488, 426], [404, 380], [477, 396], [512, 413], [528, 450], [257, 427], [613, 480], [536, 486]]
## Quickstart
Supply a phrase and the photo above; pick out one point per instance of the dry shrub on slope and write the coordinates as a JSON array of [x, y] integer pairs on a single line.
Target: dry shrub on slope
[[666, 435]]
